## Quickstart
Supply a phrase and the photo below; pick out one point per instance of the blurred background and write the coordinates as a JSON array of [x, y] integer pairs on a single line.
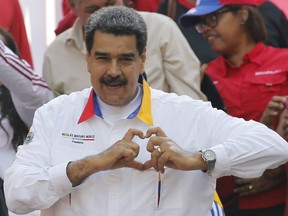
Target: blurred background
[[41, 18]]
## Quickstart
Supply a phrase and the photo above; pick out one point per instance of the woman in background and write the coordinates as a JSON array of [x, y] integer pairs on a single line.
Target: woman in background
[[247, 75], [21, 93]]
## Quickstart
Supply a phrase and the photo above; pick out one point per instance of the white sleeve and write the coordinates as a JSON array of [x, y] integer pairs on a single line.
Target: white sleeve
[[31, 182], [229, 137], [28, 90]]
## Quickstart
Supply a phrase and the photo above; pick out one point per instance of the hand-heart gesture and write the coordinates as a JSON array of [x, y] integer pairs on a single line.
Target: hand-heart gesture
[[123, 152], [165, 152]]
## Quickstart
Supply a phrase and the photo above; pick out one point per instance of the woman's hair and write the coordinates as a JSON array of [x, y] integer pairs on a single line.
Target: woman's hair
[[254, 25], [7, 108]]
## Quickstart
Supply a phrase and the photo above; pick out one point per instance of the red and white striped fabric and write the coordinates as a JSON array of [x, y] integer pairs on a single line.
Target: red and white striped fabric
[[28, 90]]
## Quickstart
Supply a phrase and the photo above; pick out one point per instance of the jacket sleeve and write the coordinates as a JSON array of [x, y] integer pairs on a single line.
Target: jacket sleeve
[[243, 148], [28, 90], [32, 183]]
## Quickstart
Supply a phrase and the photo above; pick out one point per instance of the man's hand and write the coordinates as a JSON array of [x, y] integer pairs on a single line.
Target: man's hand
[[270, 179], [282, 127], [273, 110], [120, 154], [165, 152]]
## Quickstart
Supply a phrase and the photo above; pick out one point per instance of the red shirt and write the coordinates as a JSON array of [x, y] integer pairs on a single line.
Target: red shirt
[[246, 91], [65, 7], [69, 17], [147, 5], [66, 22], [13, 22]]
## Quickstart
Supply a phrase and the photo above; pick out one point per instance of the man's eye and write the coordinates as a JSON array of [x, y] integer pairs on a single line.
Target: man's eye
[[126, 59], [101, 58]]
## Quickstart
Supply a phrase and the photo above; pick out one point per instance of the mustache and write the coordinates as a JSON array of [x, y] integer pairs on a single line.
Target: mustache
[[109, 80]]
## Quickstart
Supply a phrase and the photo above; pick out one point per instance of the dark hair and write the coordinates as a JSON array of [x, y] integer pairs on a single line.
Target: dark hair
[[117, 20], [8, 109], [9, 41], [254, 25]]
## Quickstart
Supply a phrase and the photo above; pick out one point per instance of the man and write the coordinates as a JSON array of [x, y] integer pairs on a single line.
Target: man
[[123, 148], [171, 65]]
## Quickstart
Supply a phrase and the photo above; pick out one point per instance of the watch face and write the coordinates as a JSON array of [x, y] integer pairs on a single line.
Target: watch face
[[209, 155]]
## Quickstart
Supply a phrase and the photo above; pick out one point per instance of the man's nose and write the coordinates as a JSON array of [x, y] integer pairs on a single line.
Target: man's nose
[[114, 69]]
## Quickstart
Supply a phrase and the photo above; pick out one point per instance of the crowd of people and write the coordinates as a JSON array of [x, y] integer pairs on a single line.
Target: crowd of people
[[171, 107]]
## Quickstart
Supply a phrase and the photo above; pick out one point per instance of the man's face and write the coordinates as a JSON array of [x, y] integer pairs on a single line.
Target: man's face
[[87, 7], [115, 66]]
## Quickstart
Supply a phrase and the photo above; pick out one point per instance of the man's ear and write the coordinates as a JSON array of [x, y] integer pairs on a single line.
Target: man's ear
[[143, 60], [88, 61]]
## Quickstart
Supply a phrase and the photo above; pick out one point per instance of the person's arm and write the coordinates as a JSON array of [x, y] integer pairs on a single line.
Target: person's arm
[[34, 181], [120, 154], [28, 90], [39, 185], [246, 148], [243, 148]]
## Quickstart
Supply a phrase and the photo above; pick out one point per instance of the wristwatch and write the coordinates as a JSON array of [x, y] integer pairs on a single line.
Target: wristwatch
[[209, 157]]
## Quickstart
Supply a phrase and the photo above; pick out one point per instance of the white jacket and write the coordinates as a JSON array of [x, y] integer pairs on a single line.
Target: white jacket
[[62, 131]]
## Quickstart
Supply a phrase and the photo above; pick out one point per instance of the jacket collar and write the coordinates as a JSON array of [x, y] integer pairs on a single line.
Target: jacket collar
[[143, 113]]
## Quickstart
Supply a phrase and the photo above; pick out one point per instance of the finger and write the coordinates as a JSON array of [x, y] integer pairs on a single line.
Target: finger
[[154, 143], [241, 189], [135, 165], [161, 162], [131, 133], [154, 159], [277, 102], [129, 155], [147, 165], [135, 147], [249, 189], [272, 105], [241, 181], [156, 131], [279, 99]]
